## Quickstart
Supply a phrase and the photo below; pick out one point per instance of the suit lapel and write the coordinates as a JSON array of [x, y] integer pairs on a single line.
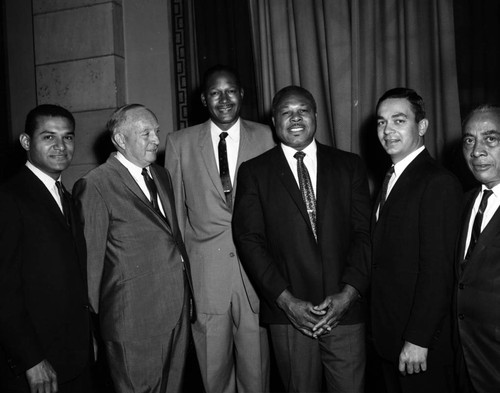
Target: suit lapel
[[487, 236], [325, 190], [207, 152], [465, 227], [131, 184], [243, 150], [164, 186], [286, 176], [403, 183], [37, 189]]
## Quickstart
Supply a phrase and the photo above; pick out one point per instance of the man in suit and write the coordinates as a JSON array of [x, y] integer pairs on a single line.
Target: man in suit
[[44, 318], [414, 227], [231, 347], [478, 261], [138, 270], [301, 225]]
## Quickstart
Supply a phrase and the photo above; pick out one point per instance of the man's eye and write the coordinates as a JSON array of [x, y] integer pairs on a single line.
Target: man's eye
[[69, 137], [399, 121], [468, 141], [380, 123]]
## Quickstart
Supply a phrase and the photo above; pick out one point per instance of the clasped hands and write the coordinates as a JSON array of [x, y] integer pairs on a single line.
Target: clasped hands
[[311, 320]]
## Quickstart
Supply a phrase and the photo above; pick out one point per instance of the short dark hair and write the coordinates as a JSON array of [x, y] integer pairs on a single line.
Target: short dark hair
[[217, 69], [483, 108], [119, 116], [416, 102], [46, 110], [292, 89]]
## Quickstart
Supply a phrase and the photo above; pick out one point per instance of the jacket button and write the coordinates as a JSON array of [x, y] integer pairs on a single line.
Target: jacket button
[[461, 285], [461, 316], [231, 254]]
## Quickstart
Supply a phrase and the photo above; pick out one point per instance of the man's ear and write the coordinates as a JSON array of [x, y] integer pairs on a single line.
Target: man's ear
[[25, 141], [119, 140], [422, 127], [242, 92], [203, 99]]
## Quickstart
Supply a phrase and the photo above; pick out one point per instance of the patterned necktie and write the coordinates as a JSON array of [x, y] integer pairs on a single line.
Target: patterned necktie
[[385, 186], [307, 190], [225, 177], [478, 220], [153, 191], [63, 195]]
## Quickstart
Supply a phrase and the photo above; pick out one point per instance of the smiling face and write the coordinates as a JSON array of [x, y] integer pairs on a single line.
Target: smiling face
[[51, 146], [481, 146], [397, 129], [294, 118], [223, 97], [137, 138]]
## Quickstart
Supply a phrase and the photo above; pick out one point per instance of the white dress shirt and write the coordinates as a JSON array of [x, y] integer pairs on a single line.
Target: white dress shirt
[[48, 181], [232, 145], [136, 173], [310, 161], [491, 208]]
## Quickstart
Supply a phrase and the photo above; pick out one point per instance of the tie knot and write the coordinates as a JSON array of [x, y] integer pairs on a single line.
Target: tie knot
[[145, 172], [223, 135], [299, 155], [60, 187], [390, 171], [487, 194]]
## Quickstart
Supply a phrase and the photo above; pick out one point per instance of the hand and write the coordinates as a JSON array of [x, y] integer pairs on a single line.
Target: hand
[[412, 359], [298, 312], [333, 308], [42, 378]]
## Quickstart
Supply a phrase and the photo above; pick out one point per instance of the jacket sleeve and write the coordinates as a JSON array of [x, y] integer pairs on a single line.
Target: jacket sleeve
[[249, 231], [17, 334], [94, 216], [439, 216], [357, 270]]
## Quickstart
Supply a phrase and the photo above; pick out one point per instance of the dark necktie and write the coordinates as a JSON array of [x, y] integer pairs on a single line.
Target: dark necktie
[[478, 220], [225, 177], [63, 195], [307, 190], [385, 186], [153, 191]]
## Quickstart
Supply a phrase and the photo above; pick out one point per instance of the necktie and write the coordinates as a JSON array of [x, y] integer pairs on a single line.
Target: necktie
[[153, 191], [307, 190], [225, 177], [478, 220], [385, 186], [63, 195]]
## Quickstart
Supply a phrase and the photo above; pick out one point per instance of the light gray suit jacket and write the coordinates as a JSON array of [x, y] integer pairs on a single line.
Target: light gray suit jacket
[[204, 217], [135, 270]]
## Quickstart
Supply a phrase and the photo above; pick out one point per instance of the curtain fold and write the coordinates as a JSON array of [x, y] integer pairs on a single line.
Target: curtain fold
[[349, 52]]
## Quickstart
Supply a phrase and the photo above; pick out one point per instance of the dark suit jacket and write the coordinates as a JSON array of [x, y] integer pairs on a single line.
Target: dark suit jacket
[[274, 235], [43, 296], [412, 271], [135, 269], [478, 303]]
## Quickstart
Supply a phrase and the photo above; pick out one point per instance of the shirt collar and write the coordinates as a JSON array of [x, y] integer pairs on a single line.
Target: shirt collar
[[233, 132], [44, 178], [310, 150], [496, 190], [403, 164], [132, 168]]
